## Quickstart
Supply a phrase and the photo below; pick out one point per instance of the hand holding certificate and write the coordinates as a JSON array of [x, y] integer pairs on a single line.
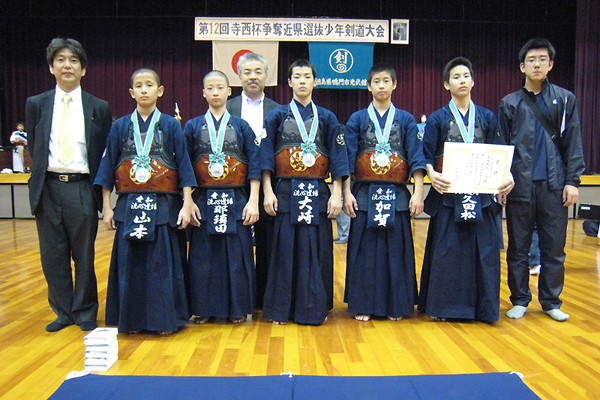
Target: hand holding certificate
[[478, 168]]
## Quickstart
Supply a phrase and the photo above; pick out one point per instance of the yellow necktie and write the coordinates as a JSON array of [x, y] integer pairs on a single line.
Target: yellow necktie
[[66, 152]]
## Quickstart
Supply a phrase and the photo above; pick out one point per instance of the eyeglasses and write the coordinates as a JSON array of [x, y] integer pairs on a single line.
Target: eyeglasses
[[541, 60]]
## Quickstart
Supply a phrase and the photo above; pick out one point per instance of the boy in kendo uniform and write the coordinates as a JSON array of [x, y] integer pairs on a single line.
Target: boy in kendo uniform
[[304, 143], [147, 162], [384, 151], [225, 155], [460, 278]]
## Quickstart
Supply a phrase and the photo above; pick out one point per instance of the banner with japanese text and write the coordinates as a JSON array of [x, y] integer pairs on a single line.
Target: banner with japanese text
[[292, 29], [341, 65]]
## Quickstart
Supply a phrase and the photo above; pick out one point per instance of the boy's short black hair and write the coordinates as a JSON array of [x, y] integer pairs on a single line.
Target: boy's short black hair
[[145, 70], [302, 63], [455, 62], [381, 67], [58, 44], [215, 72], [536, 43]]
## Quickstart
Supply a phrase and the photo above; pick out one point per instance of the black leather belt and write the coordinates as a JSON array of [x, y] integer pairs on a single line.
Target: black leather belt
[[66, 177]]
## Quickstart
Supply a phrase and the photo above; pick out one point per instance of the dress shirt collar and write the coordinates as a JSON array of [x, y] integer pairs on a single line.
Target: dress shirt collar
[[75, 95], [248, 100]]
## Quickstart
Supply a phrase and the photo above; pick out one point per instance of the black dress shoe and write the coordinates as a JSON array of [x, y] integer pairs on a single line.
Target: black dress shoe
[[56, 326], [88, 325]]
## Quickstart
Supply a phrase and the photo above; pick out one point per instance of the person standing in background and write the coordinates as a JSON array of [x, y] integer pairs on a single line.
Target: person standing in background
[[253, 107], [19, 139]]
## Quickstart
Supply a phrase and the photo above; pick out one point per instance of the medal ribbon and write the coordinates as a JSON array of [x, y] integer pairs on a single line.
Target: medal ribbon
[[467, 135], [216, 142], [382, 147], [143, 149], [309, 140]]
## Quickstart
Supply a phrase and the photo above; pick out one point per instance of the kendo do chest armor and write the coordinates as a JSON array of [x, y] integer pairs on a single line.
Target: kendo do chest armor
[[288, 154], [367, 168], [163, 177], [235, 170]]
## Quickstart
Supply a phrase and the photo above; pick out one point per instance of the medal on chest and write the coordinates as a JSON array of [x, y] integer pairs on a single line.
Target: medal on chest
[[309, 148], [142, 175], [308, 160], [217, 166], [141, 171], [382, 159], [382, 148]]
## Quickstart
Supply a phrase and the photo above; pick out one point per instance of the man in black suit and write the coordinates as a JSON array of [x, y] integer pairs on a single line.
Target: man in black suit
[[253, 107], [67, 136]]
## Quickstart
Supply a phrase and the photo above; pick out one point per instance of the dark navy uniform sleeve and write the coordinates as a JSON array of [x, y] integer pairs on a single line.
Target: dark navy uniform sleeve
[[172, 130], [247, 139], [191, 132], [352, 133], [410, 141], [267, 144], [106, 172], [334, 140], [435, 135]]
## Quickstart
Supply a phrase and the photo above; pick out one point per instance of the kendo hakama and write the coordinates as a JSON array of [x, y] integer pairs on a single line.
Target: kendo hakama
[[146, 284], [300, 281], [221, 266], [380, 273], [460, 278]]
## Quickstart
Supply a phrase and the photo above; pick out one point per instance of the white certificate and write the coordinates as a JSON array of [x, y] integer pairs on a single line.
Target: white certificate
[[476, 167]]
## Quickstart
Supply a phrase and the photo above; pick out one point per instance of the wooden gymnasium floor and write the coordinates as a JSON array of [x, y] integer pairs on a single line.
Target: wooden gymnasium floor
[[558, 360]]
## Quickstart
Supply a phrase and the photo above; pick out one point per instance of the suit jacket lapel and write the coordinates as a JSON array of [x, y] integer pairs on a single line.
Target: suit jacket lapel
[[238, 105], [46, 113]]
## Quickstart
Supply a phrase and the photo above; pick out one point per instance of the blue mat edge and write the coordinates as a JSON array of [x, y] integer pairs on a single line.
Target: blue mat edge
[[493, 386]]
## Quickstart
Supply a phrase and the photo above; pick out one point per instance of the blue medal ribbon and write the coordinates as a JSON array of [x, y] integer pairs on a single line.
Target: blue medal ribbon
[[309, 139], [216, 141], [309, 148], [383, 146], [143, 149], [468, 135], [216, 158]]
